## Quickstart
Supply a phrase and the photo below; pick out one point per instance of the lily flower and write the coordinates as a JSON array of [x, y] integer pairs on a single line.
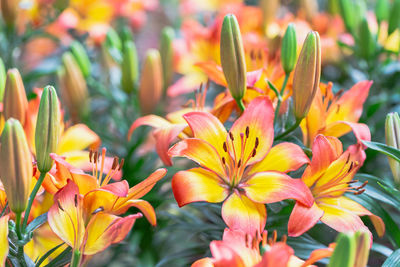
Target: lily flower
[[336, 114], [329, 176], [239, 167], [238, 249], [90, 235]]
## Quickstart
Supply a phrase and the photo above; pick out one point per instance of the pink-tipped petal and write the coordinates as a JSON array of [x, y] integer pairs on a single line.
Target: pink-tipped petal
[[303, 218]]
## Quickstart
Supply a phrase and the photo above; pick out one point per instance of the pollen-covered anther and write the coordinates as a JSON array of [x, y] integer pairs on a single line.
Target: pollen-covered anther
[[121, 164], [223, 161], [115, 163], [90, 155], [247, 131]]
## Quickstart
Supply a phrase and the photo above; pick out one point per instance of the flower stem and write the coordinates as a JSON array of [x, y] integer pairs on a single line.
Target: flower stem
[[278, 105], [76, 258], [240, 104], [20, 253], [32, 198], [289, 130]]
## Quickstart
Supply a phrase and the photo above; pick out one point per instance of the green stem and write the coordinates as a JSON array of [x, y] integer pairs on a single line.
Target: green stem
[[240, 104], [76, 258], [289, 130], [32, 198], [278, 105], [20, 253]]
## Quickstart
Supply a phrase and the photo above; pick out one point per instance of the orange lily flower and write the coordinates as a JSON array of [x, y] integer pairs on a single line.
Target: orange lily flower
[[335, 114], [3, 240], [115, 198], [239, 167], [329, 176], [86, 233], [238, 249]]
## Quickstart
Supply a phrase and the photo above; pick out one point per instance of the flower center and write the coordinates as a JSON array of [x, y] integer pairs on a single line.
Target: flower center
[[98, 161]]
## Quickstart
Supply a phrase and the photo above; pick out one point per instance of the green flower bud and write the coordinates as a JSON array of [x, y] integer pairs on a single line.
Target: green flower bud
[[9, 11], [3, 77], [382, 8], [81, 57], [15, 165], [166, 52], [367, 42], [362, 248], [15, 101], [392, 134], [150, 89], [113, 40], [306, 75], [129, 67], [344, 253], [126, 35], [47, 129], [394, 17], [289, 49], [232, 57]]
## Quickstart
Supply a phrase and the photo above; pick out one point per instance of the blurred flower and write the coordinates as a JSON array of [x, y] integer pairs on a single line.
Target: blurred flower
[[238, 167], [336, 114], [9, 11], [3, 240], [15, 101], [329, 176], [15, 165]]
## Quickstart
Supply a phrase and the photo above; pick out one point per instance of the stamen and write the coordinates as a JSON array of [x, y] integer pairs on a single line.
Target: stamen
[[231, 136], [359, 192], [239, 163], [223, 160], [274, 236], [264, 238], [121, 164], [247, 131], [76, 200], [253, 154], [284, 238], [99, 209], [90, 155], [225, 147], [115, 163], [257, 143]]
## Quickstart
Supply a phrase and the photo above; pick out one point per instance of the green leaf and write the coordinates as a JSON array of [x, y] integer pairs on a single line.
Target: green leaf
[[387, 150], [344, 253], [393, 260], [36, 223], [62, 259], [48, 253]]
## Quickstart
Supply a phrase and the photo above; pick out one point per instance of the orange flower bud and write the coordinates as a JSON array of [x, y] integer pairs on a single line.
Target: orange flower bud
[[306, 75], [15, 165], [15, 101], [73, 87], [150, 89]]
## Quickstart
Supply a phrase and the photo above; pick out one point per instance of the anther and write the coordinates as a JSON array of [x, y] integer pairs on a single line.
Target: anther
[[225, 147], [99, 209], [223, 160], [76, 200], [115, 163], [247, 131], [90, 155], [253, 154], [274, 236], [338, 108], [231, 136], [121, 164], [95, 158], [239, 163], [257, 143], [359, 192]]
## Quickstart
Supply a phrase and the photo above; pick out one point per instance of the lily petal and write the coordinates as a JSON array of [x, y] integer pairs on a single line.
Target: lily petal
[[121, 206], [239, 212], [77, 137], [198, 185], [303, 218], [258, 118], [106, 229], [205, 262], [199, 151], [278, 256], [147, 184], [268, 187], [164, 137], [3, 239], [149, 120], [283, 157]]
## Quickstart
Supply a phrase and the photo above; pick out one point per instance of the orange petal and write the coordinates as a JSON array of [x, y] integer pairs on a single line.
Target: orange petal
[[205, 262], [106, 229], [208, 128], [65, 216], [340, 128], [147, 184], [303, 218], [258, 118], [239, 212], [164, 137], [201, 152], [224, 255], [283, 157], [278, 256], [198, 185], [187, 84], [213, 71], [3, 239], [319, 254], [144, 206], [268, 187], [149, 120]]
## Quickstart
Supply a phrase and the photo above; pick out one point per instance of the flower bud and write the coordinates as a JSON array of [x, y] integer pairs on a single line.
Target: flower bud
[[9, 11], [73, 87], [3, 77], [47, 129], [394, 17], [81, 57], [344, 253], [362, 240], [367, 42], [166, 52], [306, 75], [113, 40], [15, 101], [392, 134], [289, 49], [150, 82], [351, 11], [129, 67], [232, 57], [382, 8], [15, 165]]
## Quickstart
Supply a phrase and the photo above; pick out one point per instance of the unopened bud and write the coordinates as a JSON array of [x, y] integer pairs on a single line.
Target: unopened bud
[[394, 17], [382, 8], [81, 57], [232, 57], [129, 67], [47, 129], [289, 49], [15, 101], [166, 52], [113, 40], [392, 134], [73, 87], [362, 248], [9, 11], [367, 42], [15, 165], [351, 11], [3, 77], [344, 253], [306, 75], [150, 82]]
